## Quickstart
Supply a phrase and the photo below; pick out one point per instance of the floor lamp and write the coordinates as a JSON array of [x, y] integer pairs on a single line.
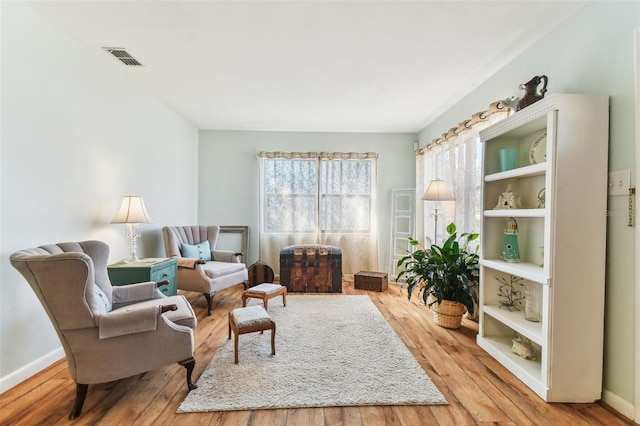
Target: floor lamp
[[437, 191]]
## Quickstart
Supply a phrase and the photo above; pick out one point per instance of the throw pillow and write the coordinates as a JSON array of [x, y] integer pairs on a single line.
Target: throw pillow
[[104, 301], [200, 251]]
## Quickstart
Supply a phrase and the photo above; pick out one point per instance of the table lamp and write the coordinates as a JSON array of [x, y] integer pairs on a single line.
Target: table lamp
[[132, 213], [437, 191]]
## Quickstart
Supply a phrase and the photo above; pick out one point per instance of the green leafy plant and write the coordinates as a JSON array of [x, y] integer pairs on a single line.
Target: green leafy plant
[[447, 272]]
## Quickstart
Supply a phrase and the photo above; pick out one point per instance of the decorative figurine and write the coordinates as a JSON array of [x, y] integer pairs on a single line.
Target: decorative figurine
[[511, 102], [510, 251], [508, 200], [510, 296], [530, 88], [522, 347]]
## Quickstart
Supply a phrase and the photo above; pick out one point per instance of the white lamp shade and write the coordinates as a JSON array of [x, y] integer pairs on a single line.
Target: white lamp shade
[[438, 191], [132, 210]]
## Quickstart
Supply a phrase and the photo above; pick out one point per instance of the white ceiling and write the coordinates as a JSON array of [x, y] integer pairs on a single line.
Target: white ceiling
[[367, 66]]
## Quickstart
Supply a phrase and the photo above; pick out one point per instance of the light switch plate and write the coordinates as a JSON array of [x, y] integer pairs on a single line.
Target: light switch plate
[[619, 182]]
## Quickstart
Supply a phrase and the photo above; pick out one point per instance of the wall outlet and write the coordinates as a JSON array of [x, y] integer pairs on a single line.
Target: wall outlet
[[619, 182]]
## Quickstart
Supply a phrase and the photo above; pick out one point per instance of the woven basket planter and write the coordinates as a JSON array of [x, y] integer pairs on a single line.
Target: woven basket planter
[[448, 314]]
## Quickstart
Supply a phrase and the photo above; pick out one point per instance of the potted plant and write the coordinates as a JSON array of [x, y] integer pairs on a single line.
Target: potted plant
[[446, 275]]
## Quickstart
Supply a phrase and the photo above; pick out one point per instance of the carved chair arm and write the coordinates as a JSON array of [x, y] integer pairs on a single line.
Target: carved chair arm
[[167, 308]]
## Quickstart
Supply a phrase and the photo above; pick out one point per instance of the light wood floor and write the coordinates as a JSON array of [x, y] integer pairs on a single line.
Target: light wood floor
[[479, 390]]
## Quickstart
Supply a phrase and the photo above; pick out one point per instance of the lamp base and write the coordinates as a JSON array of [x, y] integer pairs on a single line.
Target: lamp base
[[133, 232], [132, 259], [435, 215]]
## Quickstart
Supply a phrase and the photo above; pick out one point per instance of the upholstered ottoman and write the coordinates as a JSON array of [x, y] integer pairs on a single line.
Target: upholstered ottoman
[[248, 320], [265, 291]]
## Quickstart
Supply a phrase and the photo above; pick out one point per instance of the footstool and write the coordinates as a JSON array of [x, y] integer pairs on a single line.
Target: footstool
[[249, 320], [265, 291]]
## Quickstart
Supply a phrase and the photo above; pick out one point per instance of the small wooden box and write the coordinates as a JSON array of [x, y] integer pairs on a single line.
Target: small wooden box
[[369, 280]]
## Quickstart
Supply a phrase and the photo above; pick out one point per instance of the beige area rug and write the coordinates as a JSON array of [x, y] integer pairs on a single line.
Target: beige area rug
[[331, 351]]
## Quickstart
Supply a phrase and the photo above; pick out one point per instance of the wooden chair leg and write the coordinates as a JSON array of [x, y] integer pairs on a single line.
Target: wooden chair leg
[[235, 347], [189, 364], [81, 394], [273, 338], [209, 297]]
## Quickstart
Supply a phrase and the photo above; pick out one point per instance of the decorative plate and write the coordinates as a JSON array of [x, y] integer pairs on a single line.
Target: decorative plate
[[538, 151]]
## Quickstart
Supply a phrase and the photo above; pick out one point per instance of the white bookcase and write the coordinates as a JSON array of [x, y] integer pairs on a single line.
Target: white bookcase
[[562, 244]]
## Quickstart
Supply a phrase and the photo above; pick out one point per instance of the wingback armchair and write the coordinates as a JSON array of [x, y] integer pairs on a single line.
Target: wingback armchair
[[202, 267], [108, 333]]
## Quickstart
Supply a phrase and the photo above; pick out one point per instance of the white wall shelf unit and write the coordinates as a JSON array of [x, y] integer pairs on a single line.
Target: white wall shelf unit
[[561, 243]]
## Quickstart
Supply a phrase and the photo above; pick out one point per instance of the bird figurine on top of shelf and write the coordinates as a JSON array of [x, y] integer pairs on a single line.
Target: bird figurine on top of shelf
[[511, 103]]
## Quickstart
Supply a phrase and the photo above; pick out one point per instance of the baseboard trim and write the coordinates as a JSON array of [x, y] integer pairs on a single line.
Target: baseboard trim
[[620, 405], [22, 374]]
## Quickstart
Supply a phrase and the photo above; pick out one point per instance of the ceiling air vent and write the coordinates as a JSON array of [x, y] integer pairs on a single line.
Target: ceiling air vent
[[123, 56]]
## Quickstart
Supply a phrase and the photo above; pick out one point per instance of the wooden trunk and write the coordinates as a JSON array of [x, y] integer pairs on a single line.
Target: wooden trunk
[[368, 280], [311, 268]]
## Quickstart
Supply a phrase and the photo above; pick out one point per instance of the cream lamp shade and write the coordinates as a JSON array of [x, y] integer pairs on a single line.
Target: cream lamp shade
[[132, 210], [132, 213], [438, 191]]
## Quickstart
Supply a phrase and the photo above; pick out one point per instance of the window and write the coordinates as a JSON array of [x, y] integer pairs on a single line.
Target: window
[[319, 198], [457, 160], [345, 195], [290, 195]]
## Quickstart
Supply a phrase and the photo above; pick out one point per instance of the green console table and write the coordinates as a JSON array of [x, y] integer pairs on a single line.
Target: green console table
[[151, 269]]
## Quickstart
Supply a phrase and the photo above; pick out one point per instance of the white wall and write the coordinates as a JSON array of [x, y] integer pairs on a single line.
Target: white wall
[[229, 174], [591, 52], [77, 135]]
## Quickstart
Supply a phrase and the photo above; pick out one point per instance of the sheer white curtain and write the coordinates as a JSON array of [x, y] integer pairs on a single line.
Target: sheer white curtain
[[348, 209], [456, 158], [319, 198]]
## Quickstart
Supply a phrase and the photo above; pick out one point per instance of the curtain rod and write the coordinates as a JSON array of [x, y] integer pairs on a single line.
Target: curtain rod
[[321, 155], [478, 117]]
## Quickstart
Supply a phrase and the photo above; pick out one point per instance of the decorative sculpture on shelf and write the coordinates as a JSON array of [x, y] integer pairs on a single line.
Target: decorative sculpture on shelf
[[530, 88], [510, 296], [510, 250], [508, 200], [521, 346], [511, 102]]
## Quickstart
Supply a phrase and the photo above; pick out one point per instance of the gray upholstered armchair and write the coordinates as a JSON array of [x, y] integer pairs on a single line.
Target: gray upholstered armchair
[[202, 267], [108, 333]]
